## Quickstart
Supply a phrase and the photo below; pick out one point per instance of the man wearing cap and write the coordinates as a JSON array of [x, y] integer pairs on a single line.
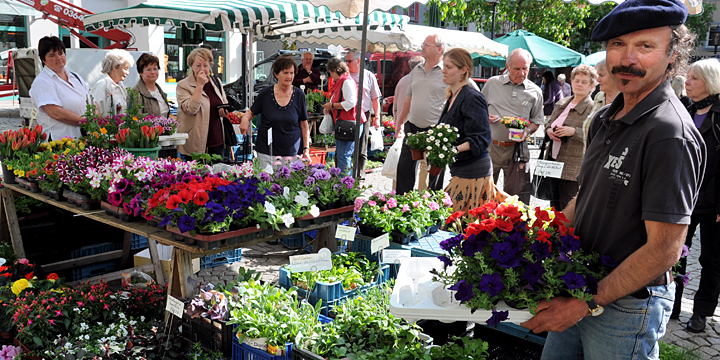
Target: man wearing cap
[[638, 186], [513, 95]]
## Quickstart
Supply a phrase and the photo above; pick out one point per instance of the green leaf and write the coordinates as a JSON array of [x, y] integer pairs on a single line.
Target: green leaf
[[37, 341]]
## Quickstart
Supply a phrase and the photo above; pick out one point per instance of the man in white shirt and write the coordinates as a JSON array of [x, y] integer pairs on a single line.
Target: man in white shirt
[[371, 98]]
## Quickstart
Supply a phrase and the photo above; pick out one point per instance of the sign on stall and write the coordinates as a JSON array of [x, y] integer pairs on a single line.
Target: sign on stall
[[345, 232], [379, 243], [175, 306], [549, 168], [311, 262], [394, 256]]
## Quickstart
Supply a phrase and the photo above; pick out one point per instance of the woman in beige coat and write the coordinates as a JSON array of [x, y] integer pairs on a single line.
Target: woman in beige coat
[[198, 98]]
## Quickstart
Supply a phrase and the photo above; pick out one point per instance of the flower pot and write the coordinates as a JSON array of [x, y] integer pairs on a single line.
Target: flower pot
[[324, 216], [515, 134], [403, 239], [370, 231], [31, 185], [5, 335], [53, 194], [435, 170], [148, 152], [26, 349], [215, 241], [82, 200], [7, 175], [435, 228], [117, 212], [417, 154]]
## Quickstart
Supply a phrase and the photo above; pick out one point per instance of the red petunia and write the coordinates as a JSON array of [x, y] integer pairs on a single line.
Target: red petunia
[[510, 211], [201, 197], [542, 214], [454, 217], [504, 225], [182, 186], [29, 275], [53, 276], [488, 225], [173, 202], [185, 196]]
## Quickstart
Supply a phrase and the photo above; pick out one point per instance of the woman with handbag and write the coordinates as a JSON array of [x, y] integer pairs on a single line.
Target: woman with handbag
[[703, 88], [471, 184], [566, 132], [342, 109], [200, 98], [281, 108]]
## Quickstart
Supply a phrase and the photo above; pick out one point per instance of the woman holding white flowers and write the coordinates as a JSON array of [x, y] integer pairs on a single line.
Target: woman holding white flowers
[[471, 184]]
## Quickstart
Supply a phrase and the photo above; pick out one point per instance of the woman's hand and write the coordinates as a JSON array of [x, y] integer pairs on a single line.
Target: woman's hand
[[202, 78], [552, 134], [306, 155], [327, 107], [245, 122], [564, 131], [223, 113]]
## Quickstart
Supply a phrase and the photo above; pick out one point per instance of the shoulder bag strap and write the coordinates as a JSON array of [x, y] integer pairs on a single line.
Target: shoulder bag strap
[[714, 130]]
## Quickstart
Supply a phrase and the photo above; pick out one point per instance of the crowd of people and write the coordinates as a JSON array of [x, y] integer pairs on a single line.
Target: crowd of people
[[639, 158]]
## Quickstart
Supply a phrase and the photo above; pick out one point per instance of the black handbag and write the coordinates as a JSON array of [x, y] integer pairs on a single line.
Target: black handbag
[[546, 188], [344, 129], [229, 136], [519, 180]]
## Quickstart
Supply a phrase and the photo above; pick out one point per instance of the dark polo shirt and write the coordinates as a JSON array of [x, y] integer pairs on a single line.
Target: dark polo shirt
[[646, 165]]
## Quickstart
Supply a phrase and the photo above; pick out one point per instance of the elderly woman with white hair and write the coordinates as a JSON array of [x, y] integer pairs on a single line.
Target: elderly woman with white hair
[[109, 92], [703, 87]]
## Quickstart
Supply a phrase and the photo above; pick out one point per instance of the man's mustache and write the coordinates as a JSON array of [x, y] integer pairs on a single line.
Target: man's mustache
[[628, 70]]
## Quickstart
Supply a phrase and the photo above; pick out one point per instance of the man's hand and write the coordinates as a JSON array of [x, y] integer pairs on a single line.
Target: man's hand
[[376, 122], [557, 314], [493, 118], [307, 80], [524, 136], [399, 134]]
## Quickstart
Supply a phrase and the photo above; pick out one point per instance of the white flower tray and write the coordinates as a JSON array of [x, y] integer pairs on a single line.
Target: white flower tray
[[416, 296], [174, 139]]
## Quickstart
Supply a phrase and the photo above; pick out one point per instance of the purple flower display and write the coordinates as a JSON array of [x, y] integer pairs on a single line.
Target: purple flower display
[[335, 171], [569, 243], [497, 317], [464, 291], [123, 186], [685, 278], [283, 172], [685, 251], [310, 181], [541, 249], [348, 181], [322, 175], [265, 176], [450, 243], [186, 223], [297, 165], [474, 244], [517, 239], [446, 260], [276, 189], [592, 285], [504, 253], [573, 280], [337, 187], [533, 272], [608, 261], [491, 284]]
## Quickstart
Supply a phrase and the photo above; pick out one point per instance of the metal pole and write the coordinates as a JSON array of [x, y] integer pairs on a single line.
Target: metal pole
[[492, 30], [361, 81], [382, 70]]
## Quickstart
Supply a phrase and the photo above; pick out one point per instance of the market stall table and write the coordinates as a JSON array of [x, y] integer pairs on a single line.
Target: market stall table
[[181, 263]]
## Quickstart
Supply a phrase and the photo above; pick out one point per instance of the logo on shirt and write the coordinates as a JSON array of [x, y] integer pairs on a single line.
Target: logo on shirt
[[613, 164]]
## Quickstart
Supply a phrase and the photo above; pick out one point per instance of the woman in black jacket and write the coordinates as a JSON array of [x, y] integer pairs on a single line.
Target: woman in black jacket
[[703, 86], [471, 184]]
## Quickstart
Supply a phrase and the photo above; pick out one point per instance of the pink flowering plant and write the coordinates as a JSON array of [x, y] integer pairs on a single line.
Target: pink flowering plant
[[81, 172], [9, 352], [505, 253], [412, 212], [169, 125]]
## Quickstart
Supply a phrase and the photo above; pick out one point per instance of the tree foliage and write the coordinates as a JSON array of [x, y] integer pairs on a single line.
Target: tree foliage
[[700, 24]]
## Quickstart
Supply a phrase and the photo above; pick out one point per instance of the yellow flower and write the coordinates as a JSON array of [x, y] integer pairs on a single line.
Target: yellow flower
[[15, 171], [37, 156], [21, 173], [102, 130], [135, 118], [9, 167], [19, 286], [67, 151]]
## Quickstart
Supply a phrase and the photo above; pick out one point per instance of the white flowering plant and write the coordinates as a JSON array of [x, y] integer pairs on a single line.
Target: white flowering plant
[[439, 145]]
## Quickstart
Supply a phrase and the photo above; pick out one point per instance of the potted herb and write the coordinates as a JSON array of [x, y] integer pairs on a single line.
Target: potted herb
[[515, 125], [440, 150], [315, 98], [417, 143]]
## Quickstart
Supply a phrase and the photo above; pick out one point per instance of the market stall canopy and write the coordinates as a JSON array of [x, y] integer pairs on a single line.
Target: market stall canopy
[[225, 15], [352, 8], [14, 8], [380, 39], [595, 58], [546, 54]]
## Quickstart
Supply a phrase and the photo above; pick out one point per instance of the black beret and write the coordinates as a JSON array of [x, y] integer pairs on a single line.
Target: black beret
[[634, 15]]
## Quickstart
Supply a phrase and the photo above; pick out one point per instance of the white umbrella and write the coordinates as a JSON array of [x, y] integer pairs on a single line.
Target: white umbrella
[[595, 58]]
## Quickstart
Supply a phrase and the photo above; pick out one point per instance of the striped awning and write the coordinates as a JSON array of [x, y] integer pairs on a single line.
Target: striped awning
[[225, 15]]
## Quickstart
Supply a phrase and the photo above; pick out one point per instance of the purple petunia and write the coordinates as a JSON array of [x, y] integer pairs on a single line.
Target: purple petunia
[[685, 278], [474, 244], [464, 291], [446, 260], [297, 166], [337, 187], [123, 185], [318, 166], [186, 223], [569, 243], [449, 244], [592, 284], [276, 189], [491, 284], [335, 171], [573, 280], [685, 251], [541, 249], [533, 272], [505, 253], [608, 261], [516, 239], [283, 172], [348, 181], [497, 317], [310, 181], [322, 175], [265, 176]]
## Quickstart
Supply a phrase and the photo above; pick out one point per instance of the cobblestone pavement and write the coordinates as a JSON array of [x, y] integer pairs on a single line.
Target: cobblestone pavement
[[268, 259]]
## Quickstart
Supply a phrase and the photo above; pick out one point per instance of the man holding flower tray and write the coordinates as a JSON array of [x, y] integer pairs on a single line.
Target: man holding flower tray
[[638, 185]]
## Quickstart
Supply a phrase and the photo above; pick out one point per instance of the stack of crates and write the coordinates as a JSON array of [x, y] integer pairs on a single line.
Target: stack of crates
[[87, 271], [226, 257]]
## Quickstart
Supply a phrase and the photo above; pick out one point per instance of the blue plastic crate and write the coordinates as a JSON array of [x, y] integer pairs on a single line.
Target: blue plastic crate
[[331, 294], [226, 257], [294, 242], [138, 242], [92, 250], [246, 352], [518, 331], [88, 271]]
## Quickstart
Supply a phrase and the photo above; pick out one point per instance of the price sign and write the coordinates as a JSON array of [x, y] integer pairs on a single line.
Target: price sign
[[175, 306], [395, 256], [548, 168], [345, 232], [270, 139], [311, 262], [380, 243]]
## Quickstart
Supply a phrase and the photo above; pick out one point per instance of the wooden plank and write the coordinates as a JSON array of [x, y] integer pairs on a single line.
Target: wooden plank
[[180, 269], [117, 275], [159, 276], [13, 224], [85, 260]]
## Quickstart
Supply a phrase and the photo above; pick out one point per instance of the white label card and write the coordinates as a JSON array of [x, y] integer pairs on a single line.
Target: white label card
[[549, 168], [345, 232], [269, 136], [175, 306], [311, 262], [394, 256], [379, 243]]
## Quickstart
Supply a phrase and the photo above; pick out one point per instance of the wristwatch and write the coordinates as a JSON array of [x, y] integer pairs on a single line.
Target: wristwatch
[[594, 308], [305, 148]]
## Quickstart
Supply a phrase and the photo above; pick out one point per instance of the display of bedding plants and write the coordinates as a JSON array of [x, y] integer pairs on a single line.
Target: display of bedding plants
[[352, 269]]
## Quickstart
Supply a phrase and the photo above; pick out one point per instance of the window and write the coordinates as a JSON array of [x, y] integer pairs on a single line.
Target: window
[[413, 12], [707, 37], [12, 32], [462, 27]]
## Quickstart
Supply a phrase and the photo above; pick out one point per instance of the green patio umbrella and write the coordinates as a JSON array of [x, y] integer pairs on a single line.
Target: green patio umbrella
[[433, 15], [546, 54]]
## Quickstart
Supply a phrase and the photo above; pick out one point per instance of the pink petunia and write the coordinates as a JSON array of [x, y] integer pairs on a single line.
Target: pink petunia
[[433, 206], [24, 261], [405, 208], [416, 203], [372, 203], [358, 204], [392, 203]]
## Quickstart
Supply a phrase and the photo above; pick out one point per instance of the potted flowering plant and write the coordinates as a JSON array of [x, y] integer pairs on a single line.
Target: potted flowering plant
[[81, 174], [169, 125], [504, 253], [439, 147], [140, 140], [315, 98], [24, 140], [515, 126], [418, 144]]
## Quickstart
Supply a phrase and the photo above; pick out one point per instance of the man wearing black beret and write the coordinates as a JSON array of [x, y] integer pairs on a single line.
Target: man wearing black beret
[[638, 185]]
